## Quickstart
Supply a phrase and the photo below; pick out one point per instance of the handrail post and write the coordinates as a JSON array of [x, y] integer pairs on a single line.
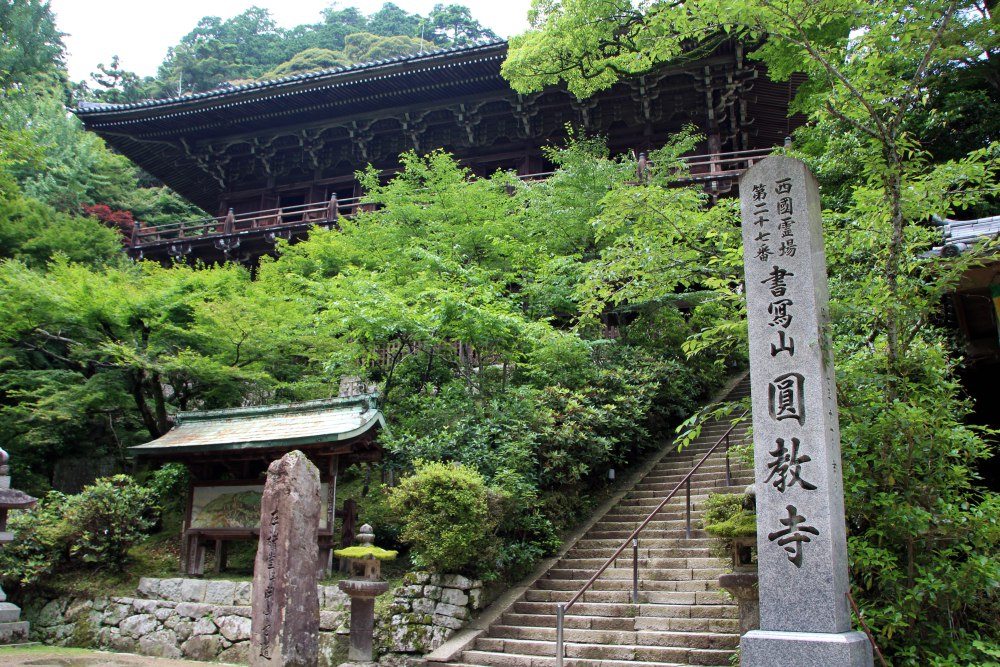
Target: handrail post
[[687, 491], [635, 570], [332, 209], [560, 619], [729, 481]]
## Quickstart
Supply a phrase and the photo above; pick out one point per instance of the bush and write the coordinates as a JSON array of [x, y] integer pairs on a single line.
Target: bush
[[39, 536], [169, 484], [726, 516], [445, 513], [93, 529], [107, 518]]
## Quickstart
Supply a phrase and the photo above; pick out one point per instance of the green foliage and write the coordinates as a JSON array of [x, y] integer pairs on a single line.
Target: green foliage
[[168, 485], [40, 535], [107, 518], [359, 47], [35, 233], [250, 45], [31, 45], [71, 167], [444, 509], [93, 529], [308, 60], [726, 516]]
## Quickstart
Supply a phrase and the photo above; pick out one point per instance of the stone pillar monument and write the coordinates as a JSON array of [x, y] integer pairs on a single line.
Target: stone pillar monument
[[12, 629], [805, 617], [285, 604]]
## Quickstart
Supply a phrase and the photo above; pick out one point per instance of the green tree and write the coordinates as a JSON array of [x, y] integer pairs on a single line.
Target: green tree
[[117, 85], [31, 44], [308, 60], [390, 20], [454, 26], [363, 47]]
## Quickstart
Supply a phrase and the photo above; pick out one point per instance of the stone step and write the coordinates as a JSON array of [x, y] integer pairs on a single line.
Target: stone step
[[602, 554], [684, 639], [626, 585], [669, 482], [649, 534], [472, 658], [656, 524], [724, 625], [619, 610], [625, 561], [624, 597], [704, 543], [647, 574], [629, 653], [704, 488]]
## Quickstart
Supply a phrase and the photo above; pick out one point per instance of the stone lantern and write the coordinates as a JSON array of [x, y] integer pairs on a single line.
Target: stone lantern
[[12, 630], [363, 587]]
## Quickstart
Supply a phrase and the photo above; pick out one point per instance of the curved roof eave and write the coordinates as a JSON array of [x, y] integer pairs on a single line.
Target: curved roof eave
[[96, 110]]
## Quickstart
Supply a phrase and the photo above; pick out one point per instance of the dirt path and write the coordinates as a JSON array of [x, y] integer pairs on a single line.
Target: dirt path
[[47, 656]]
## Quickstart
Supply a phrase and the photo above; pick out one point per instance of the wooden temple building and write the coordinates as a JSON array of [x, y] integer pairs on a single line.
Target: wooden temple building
[[271, 159], [228, 451]]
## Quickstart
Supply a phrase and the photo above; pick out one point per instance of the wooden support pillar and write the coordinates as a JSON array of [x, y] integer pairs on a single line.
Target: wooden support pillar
[[219, 556], [331, 509]]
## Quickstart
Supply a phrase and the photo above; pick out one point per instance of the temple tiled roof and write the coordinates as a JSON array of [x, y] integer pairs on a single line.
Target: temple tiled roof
[[960, 234], [373, 69], [288, 425]]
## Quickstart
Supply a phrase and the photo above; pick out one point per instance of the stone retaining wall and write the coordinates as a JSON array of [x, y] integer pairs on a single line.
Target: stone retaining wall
[[203, 619], [426, 611], [174, 618]]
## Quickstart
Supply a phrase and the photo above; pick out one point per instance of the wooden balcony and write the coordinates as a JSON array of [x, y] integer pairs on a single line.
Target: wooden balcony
[[247, 236]]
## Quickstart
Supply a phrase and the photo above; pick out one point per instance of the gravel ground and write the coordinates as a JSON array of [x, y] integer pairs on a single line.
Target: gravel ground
[[45, 656]]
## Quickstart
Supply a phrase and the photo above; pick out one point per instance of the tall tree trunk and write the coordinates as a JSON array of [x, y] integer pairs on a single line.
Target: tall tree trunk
[[136, 380]]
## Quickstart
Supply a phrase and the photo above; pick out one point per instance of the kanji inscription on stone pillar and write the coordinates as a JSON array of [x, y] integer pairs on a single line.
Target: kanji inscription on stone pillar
[[801, 538], [285, 604]]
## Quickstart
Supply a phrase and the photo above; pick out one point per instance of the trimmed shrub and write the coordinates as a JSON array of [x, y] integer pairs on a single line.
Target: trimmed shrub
[[445, 513]]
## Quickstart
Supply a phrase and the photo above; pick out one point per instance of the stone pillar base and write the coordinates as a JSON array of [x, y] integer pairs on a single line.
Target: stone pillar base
[[14, 633], [767, 648]]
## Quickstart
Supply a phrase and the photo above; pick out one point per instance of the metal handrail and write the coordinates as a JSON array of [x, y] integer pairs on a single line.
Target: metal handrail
[[561, 608]]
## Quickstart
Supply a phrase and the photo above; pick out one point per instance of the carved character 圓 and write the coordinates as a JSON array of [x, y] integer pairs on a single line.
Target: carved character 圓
[[785, 398]]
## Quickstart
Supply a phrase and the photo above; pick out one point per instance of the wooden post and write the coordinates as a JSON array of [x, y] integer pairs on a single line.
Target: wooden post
[[230, 222], [218, 556], [332, 209], [331, 508]]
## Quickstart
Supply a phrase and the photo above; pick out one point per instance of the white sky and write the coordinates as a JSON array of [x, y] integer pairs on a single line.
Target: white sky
[[140, 32]]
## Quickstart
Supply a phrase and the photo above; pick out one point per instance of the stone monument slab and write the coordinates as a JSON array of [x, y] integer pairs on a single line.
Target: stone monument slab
[[285, 604], [801, 534]]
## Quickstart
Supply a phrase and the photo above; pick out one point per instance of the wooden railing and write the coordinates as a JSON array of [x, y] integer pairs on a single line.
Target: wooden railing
[[282, 221]]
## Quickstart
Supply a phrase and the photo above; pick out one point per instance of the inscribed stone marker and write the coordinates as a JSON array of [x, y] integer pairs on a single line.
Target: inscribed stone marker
[[285, 609], [801, 537]]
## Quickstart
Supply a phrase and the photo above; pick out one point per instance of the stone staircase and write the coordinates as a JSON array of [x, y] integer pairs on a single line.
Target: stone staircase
[[682, 618]]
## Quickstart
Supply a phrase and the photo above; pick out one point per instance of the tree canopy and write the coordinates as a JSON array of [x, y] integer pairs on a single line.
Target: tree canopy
[[251, 46]]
